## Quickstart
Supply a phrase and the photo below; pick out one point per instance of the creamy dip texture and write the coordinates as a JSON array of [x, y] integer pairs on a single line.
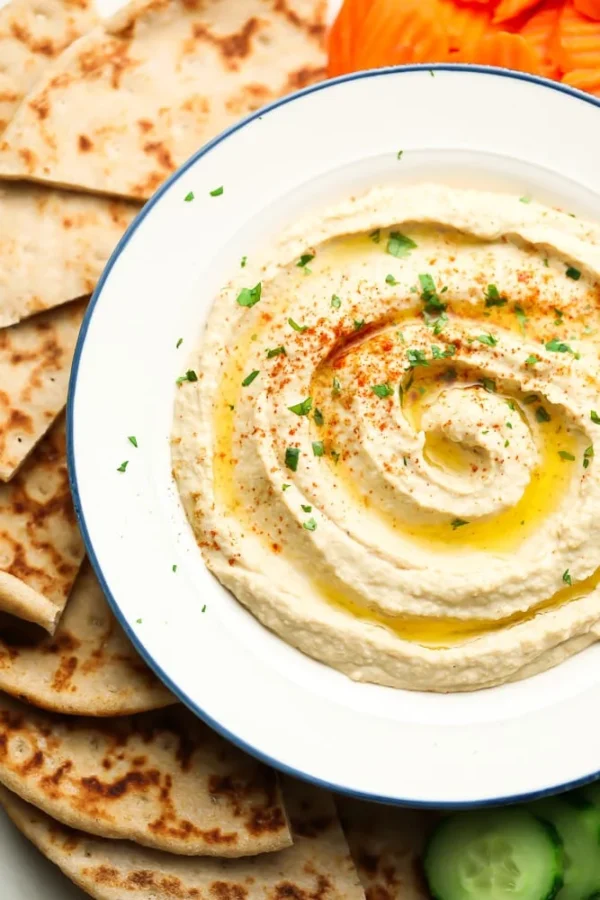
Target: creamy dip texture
[[388, 453]]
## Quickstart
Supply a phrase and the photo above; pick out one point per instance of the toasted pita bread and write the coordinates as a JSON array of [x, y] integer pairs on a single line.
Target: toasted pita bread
[[162, 779], [88, 668], [35, 361], [40, 546], [32, 33], [53, 246], [316, 867], [386, 844], [130, 101]]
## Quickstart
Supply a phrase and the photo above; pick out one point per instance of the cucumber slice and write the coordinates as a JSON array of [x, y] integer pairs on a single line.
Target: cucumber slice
[[498, 854], [578, 826], [591, 792]]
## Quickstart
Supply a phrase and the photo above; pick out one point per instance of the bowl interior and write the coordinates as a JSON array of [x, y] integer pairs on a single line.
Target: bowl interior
[[477, 128]]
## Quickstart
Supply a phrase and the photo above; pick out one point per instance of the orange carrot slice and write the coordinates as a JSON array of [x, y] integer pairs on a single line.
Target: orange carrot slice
[[578, 44], [584, 79], [464, 25], [511, 51], [540, 32], [590, 8], [402, 32], [344, 36], [510, 9]]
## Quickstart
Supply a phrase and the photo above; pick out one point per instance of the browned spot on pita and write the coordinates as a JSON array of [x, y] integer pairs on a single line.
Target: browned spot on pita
[[313, 827], [113, 55], [34, 762], [64, 673], [221, 890], [315, 28], [233, 47], [112, 790], [53, 781], [28, 158], [161, 154], [305, 76], [248, 98], [149, 185], [145, 125], [85, 144], [285, 890], [44, 46], [8, 96], [41, 106]]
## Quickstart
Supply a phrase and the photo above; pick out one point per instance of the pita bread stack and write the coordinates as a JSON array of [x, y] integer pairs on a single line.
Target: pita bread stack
[[119, 786]]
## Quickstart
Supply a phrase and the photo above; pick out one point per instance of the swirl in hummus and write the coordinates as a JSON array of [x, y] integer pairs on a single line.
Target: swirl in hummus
[[388, 455]]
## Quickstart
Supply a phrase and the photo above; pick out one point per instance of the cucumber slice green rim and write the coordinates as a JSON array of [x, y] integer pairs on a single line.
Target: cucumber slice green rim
[[499, 854], [578, 825]]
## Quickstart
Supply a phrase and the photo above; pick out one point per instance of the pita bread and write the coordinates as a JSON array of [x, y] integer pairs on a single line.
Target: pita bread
[[40, 546], [144, 91], [87, 668], [35, 361], [32, 33], [162, 779], [53, 246], [316, 867], [386, 843]]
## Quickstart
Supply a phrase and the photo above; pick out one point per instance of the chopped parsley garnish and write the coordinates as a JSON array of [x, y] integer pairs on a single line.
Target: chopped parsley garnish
[[292, 455], [530, 398], [531, 360], [303, 408], [203, 608], [243, 262], [190, 375], [521, 317], [450, 375], [132, 440], [557, 346], [458, 523], [305, 259], [564, 454], [318, 448], [179, 343], [509, 424], [389, 279], [284, 487], [276, 351], [123, 466], [493, 296], [189, 197], [439, 323], [436, 353], [587, 455], [174, 567], [559, 316], [216, 192], [489, 384], [416, 358], [382, 390], [249, 296], [525, 199], [336, 387], [595, 417], [511, 405], [138, 621], [400, 152], [399, 244], [335, 301], [376, 235], [250, 378], [542, 414], [487, 339], [310, 525], [318, 417], [358, 324], [506, 442], [566, 577], [429, 295], [306, 509], [335, 455], [299, 328], [573, 273]]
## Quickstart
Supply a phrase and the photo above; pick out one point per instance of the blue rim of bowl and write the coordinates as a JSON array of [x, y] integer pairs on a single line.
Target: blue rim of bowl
[[150, 661]]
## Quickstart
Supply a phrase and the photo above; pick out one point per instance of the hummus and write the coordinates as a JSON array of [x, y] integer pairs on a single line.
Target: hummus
[[388, 453]]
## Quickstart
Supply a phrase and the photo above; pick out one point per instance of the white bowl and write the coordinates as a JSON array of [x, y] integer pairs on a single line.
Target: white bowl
[[462, 124]]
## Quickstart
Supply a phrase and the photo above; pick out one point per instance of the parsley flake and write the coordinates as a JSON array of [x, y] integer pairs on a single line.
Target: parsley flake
[[595, 417], [292, 455], [400, 245], [174, 567], [400, 152], [189, 197], [276, 351], [587, 455], [216, 192], [531, 360], [138, 621], [458, 523], [250, 378], [336, 387], [243, 262], [310, 525], [389, 279], [566, 577], [305, 259], [303, 408], [249, 296], [493, 296], [376, 235], [487, 339], [318, 448], [190, 375], [521, 317], [429, 295], [318, 417], [335, 301], [382, 390], [564, 454], [306, 509], [542, 414], [284, 487], [557, 346], [489, 384], [573, 273], [179, 343], [416, 358], [299, 328], [123, 466], [133, 440], [526, 198], [358, 324]]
